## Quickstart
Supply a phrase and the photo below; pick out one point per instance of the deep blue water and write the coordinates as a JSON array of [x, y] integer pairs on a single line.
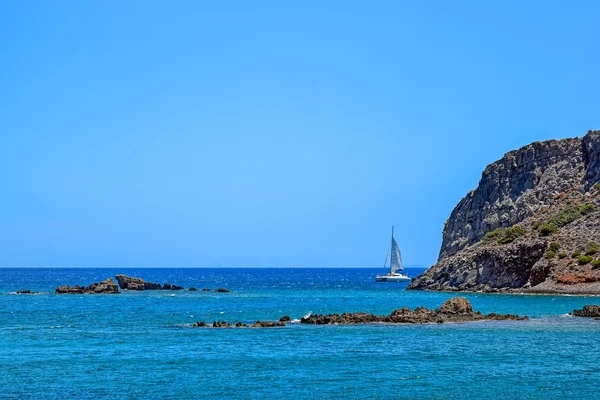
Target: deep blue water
[[140, 345]]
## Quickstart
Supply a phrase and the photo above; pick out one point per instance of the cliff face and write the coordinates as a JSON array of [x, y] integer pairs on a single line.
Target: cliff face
[[538, 198]]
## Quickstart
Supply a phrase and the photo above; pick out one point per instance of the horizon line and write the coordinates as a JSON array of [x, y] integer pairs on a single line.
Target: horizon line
[[198, 267]]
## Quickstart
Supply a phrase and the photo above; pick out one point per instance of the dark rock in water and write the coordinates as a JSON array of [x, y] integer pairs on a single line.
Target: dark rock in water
[[26, 291], [267, 324], [222, 290], [285, 318], [168, 286], [223, 324], [70, 289], [129, 283], [456, 305], [107, 286], [456, 309], [192, 289], [589, 311], [205, 289], [152, 286], [532, 225]]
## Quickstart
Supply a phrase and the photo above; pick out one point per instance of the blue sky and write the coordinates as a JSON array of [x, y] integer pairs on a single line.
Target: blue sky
[[270, 133]]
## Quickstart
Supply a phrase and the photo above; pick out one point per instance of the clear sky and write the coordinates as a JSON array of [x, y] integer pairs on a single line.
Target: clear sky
[[176, 133]]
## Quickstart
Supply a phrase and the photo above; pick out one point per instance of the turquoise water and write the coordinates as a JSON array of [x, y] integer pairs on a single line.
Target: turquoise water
[[139, 345]]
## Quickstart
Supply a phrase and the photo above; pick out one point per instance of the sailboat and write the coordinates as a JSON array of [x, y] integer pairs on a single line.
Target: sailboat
[[395, 264]]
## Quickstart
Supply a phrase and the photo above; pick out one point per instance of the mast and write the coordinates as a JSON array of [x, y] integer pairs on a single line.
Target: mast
[[391, 250]]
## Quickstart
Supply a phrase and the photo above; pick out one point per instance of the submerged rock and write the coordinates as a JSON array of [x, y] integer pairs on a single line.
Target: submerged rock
[[456, 309], [107, 286], [26, 291], [205, 289], [221, 290], [192, 289], [589, 311]]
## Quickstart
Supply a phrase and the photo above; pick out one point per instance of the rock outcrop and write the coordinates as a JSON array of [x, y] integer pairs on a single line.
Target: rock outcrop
[[223, 324], [456, 309], [532, 225], [168, 286], [131, 283], [221, 290], [589, 311], [107, 286]]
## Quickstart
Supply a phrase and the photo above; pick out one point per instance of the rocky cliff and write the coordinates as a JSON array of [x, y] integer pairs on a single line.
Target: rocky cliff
[[531, 225]]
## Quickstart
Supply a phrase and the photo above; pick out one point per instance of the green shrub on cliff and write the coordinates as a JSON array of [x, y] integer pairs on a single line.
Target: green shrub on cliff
[[554, 246], [549, 254], [562, 255], [595, 264], [591, 248], [504, 235], [576, 254], [547, 229], [569, 215], [584, 259]]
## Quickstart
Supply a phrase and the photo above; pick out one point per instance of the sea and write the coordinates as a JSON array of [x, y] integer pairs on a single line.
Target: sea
[[140, 345]]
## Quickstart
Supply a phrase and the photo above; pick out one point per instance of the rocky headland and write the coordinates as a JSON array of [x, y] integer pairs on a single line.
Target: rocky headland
[[455, 309], [532, 225]]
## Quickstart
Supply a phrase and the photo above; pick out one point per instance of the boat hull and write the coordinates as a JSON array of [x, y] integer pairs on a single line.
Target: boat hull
[[392, 278]]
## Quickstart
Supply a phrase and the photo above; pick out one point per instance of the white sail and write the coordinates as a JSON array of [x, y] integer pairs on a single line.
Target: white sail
[[395, 257]]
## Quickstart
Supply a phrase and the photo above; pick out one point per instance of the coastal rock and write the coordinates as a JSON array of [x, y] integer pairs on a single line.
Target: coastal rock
[[222, 290], [456, 309], [285, 318], [66, 289], [267, 324], [192, 289], [456, 305], [168, 286], [589, 311], [131, 283], [152, 286], [107, 286], [528, 226], [223, 324], [205, 289], [26, 291]]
